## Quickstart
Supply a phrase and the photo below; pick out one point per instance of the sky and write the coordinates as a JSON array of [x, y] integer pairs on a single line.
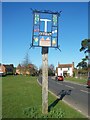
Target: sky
[[17, 26]]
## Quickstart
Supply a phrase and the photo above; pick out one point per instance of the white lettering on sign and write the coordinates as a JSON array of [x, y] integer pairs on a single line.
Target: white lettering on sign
[[45, 20], [45, 33]]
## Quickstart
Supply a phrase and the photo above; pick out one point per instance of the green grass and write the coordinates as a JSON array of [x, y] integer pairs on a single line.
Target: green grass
[[77, 80], [22, 99]]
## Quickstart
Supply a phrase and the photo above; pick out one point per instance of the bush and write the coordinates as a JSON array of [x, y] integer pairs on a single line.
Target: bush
[[31, 112], [34, 112]]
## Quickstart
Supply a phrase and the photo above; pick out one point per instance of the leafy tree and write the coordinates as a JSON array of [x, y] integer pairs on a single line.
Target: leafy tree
[[40, 70], [14, 70], [33, 70], [82, 64], [51, 71], [85, 46]]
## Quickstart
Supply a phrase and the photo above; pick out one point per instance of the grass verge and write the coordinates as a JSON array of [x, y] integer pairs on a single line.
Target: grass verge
[[21, 98], [77, 80]]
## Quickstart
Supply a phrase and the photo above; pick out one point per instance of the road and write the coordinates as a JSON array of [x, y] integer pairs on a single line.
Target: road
[[76, 95]]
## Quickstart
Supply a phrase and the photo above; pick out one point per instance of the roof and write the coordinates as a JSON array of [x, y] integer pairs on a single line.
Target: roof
[[22, 66], [65, 65], [30, 65], [8, 66], [19, 66]]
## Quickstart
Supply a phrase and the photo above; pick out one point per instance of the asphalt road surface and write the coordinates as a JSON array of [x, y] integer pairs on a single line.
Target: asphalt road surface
[[76, 95]]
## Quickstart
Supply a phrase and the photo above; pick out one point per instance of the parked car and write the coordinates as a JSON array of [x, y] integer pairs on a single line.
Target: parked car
[[60, 78]]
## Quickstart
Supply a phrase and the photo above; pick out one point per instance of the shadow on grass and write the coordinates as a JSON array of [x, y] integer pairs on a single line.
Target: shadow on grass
[[62, 94]]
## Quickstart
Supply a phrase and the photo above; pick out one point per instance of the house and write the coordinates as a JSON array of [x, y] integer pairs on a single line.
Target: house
[[18, 69], [9, 69], [25, 70], [2, 70], [65, 69], [6, 69]]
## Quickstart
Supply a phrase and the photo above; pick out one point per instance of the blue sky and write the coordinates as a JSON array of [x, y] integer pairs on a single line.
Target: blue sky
[[17, 32]]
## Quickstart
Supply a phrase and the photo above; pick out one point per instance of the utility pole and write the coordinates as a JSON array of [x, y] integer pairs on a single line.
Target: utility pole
[[44, 80]]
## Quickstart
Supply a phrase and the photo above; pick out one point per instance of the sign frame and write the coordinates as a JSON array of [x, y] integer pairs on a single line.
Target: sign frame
[[53, 38]]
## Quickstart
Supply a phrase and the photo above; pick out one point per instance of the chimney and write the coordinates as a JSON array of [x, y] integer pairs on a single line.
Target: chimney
[[72, 66]]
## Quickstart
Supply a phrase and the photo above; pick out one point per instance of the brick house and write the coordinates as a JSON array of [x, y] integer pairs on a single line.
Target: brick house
[[2, 70], [65, 69], [25, 70], [6, 69]]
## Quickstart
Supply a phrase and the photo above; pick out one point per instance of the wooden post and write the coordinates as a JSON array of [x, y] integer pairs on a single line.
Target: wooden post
[[44, 80]]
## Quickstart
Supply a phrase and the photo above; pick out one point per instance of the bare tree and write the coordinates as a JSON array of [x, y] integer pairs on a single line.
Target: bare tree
[[26, 60]]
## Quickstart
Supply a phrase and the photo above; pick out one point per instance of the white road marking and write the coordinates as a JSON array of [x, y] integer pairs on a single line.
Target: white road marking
[[74, 107], [60, 83], [84, 91], [69, 86]]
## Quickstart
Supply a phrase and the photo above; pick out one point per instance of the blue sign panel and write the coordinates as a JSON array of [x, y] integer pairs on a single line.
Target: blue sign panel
[[45, 29]]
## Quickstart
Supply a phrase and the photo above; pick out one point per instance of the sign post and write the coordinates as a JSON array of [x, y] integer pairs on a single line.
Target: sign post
[[45, 34], [44, 80]]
